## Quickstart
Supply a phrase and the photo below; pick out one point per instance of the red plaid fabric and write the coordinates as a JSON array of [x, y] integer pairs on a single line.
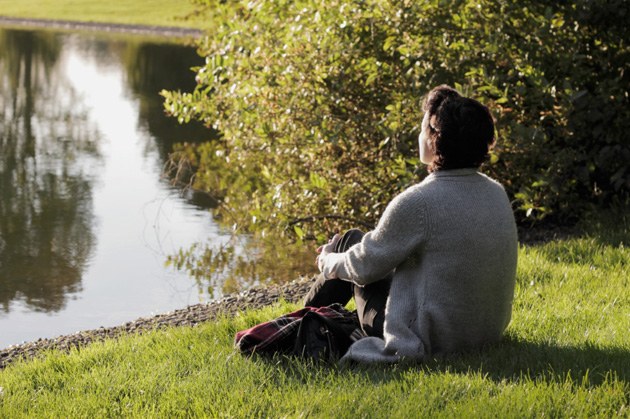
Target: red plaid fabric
[[278, 335]]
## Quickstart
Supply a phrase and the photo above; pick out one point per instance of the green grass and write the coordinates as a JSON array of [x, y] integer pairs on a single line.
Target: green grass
[[566, 354], [180, 13]]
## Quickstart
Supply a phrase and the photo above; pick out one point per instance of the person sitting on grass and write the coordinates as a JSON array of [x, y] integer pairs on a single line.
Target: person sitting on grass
[[437, 274]]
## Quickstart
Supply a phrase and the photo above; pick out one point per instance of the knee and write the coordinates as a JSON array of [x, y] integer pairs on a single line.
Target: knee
[[349, 238]]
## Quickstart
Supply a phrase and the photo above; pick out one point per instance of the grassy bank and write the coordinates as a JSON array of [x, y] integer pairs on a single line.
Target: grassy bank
[[566, 354], [179, 13]]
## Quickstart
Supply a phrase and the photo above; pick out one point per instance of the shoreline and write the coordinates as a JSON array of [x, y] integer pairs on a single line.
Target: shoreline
[[190, 316], [165, 31]]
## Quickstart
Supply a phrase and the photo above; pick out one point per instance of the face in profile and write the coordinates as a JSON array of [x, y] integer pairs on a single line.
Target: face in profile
[[426, 153]]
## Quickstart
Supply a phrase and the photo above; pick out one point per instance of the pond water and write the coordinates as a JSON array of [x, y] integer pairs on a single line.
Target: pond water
[[86, 217]]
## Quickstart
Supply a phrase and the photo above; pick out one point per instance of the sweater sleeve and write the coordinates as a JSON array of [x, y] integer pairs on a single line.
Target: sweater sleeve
[[399, 232]]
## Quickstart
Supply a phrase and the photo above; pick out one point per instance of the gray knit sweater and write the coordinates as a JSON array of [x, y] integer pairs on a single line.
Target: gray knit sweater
[[452, 243]]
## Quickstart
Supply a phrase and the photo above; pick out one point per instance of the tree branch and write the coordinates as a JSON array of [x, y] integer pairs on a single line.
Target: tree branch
[[313, 218]]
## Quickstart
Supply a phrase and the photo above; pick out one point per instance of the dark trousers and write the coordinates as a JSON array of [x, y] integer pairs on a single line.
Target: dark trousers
[[370, 299]]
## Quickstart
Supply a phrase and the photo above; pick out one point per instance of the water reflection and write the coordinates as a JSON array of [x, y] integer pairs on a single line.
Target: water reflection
[[151, 68], [46, 213], [86, 221]]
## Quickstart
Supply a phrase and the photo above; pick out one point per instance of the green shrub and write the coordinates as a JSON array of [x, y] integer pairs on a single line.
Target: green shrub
[[319, 104]]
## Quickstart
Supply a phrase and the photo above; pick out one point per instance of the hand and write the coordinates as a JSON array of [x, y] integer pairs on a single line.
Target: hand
[[325, 249]]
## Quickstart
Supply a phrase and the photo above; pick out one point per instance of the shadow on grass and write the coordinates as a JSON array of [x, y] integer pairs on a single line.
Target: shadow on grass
[[512, 360], [515, 360]]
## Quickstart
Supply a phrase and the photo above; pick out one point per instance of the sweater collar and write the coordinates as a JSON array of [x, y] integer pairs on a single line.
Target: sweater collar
[[468, 171]]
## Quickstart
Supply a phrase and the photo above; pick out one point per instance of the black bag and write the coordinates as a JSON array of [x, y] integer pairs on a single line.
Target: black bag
[[322, 333], [325, 339]]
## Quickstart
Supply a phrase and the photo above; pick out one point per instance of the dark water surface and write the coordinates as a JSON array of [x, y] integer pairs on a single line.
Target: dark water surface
[[86, 219]]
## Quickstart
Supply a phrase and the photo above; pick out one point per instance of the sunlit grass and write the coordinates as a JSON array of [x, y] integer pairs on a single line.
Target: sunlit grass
[[566, 354], [181, 13]]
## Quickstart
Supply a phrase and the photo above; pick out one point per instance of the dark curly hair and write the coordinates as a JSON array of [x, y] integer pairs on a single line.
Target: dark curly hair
[[461, 130]]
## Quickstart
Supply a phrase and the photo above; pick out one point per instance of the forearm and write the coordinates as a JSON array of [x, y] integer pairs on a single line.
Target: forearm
[[364, 263]]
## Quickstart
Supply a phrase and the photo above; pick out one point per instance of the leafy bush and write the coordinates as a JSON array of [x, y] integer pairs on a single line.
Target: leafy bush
[[319, 104]]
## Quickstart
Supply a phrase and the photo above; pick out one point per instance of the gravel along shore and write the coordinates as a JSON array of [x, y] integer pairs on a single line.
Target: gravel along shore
[[166, 31], [189, 316]]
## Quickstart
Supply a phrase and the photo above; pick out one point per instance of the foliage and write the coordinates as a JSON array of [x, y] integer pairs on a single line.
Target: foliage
[[565, 355], [319, 105], [243, 262]]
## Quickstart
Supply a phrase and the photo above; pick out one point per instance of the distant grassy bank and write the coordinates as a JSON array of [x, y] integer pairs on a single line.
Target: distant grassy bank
[[566, 355], [177, 13]]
